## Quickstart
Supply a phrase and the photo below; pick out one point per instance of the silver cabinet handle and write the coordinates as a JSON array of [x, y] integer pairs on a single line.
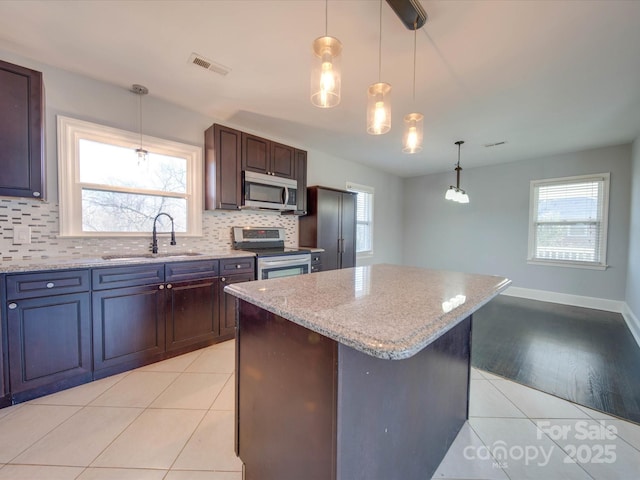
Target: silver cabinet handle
[[169, 285], [36, 194], [13, 306], [238, 266], [51, 285], [160, 287]]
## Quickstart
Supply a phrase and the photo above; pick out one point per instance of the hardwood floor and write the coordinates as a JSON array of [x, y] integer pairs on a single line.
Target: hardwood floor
[[586, 356]]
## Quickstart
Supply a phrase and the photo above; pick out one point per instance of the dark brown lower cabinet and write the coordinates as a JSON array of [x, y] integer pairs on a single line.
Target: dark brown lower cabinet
[[128, 328], [5, 397], [192, 313], [49, 343], [228, 304]]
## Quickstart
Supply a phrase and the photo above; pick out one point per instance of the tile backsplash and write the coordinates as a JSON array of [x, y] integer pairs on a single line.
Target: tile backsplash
[[42, 217]]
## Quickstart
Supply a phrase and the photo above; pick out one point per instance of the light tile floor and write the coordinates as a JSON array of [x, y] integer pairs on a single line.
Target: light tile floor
[[173, 420]]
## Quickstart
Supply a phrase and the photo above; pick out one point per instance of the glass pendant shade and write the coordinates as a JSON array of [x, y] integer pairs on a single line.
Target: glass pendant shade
[[451, 194], [142, 154], [325, 72], [412, 139], [379, 109]]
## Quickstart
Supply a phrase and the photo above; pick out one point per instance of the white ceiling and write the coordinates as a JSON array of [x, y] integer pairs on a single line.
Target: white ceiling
[[545, 76]]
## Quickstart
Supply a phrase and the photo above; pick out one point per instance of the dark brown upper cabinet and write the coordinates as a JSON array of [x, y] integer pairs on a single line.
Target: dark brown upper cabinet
[[223, 175], [270, 158], [228, 152], [21, 132], [301, 174]]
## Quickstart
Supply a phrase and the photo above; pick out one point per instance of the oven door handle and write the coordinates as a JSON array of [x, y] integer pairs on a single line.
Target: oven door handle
[[279, 263]]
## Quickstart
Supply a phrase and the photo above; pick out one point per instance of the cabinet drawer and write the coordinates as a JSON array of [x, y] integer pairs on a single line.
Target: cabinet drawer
[[31, 285], [316, 258], [127, 276], [176, 271], [230, 266]]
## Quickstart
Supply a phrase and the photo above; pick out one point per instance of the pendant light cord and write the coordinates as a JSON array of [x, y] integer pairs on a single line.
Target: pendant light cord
[[415, 36], [326, 18], [380, 47], [140, 111]]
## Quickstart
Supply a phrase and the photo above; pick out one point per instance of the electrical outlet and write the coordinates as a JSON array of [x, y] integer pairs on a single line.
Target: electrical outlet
[[21, 234]]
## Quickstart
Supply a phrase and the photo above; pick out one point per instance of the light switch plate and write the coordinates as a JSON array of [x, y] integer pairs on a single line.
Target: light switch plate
[[21, 234]]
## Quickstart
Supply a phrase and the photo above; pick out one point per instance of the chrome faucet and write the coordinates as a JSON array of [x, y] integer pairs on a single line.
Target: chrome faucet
[[154, 236]]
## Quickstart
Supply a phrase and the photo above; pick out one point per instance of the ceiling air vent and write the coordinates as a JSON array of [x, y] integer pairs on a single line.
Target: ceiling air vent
[[489, 145], [207, 64]]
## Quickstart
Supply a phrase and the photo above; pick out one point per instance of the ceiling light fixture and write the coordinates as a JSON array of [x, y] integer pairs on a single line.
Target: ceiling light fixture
[[379, 98], [456, 193], [140, 90], [325, 70], [413, 123]]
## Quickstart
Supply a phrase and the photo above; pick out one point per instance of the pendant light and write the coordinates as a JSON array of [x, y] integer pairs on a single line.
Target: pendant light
[[456, 194], [413, 123], [325, 71], [140, 90], [379, 98]]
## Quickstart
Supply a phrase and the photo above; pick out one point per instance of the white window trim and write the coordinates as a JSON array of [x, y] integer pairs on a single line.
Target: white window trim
[[356, 187], [602, 265], [71, 130]]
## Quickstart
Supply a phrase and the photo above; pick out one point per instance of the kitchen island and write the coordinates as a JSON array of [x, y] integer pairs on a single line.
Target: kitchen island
[[361, 373]]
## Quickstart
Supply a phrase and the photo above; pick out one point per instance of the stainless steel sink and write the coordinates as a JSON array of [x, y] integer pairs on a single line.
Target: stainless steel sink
[[138, 256]]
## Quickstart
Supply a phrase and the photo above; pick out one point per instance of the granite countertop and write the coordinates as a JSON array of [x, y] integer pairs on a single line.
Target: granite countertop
[[387, 311], [65, 263]]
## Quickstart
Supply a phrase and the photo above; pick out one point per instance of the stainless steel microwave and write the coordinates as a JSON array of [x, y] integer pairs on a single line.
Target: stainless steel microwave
[[268, 191]]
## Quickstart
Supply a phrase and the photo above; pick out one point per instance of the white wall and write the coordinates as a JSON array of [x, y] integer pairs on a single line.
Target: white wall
[[633, 274], [81, 97], [333, 172], [490, 234]]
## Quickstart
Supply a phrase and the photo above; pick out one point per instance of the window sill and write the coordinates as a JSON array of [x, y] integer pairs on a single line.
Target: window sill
[[552, 263]]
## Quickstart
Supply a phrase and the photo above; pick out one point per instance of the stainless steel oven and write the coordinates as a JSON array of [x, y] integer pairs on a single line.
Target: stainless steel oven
[[273, 259], [283, 265]]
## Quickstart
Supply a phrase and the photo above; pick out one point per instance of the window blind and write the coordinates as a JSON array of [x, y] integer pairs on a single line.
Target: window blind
[[569, 220], [364, 217]]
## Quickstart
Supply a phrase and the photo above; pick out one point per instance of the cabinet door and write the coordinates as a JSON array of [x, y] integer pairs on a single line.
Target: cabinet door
[[192, 313], [21, 132], [348, 230], [4, 379], [283, 161], [228, 304], [301, 175], [49, 342], [255, 153], [128, 327], [329, 205], [223, 160]]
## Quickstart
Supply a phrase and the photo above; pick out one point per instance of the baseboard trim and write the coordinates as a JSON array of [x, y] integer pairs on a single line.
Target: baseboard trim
[[632, 322], [605, 304]]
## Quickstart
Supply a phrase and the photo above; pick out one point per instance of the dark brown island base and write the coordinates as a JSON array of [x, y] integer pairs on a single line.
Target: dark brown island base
[[360, 373]]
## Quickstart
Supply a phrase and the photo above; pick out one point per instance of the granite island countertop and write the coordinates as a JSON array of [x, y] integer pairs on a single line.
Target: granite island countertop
[[386, 311], [95, 261]]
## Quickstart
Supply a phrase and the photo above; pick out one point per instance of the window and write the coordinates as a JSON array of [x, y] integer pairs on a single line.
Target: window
[[105, 190], [568, 221], [364, 218]]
